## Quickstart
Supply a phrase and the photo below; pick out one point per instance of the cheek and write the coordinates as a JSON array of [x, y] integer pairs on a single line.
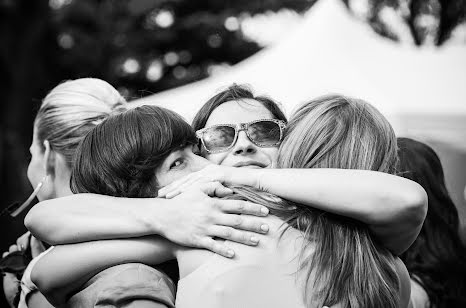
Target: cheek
[[270, 153], [217, 158], [33, 172]]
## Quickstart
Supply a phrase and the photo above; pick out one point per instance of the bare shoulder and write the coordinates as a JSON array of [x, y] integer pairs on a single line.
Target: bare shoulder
[[189, 259], [405, 284]]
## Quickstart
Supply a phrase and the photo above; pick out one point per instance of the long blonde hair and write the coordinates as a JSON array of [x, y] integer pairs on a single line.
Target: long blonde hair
[[71, 110], [347, 266]]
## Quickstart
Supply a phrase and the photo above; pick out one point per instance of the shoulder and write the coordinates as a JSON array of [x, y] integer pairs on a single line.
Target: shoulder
[[405, 284], [130, 282], [419, 297]]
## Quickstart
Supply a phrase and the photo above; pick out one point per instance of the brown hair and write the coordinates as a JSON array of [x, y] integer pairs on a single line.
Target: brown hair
[[233, 93], [119, 157]]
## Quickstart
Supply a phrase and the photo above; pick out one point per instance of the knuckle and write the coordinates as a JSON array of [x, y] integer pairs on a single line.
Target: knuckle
[[237, 221], [228, 232]]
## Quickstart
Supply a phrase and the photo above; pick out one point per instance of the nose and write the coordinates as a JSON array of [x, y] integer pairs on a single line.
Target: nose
[[198, 163], [243, 145]]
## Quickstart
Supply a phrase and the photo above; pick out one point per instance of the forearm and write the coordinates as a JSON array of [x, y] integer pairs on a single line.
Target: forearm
[[371, 197], [66, 268], [38, 300], [393, 207], [86, 217]]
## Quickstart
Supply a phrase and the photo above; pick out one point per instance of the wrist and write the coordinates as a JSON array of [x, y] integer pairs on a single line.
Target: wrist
[[244, 176], [153, 214]]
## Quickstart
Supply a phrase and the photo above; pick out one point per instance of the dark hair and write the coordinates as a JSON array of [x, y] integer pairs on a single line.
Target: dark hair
[[234, 92], [436, 259], [120, 155]]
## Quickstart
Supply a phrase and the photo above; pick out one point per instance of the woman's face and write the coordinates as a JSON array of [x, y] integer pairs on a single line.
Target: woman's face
[[243, 153], [36, 169], [178, 164]]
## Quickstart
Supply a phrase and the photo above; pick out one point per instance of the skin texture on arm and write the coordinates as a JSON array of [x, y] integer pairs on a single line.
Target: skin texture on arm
[[37, 300], [393, 207], [57, 280], [192, 219]]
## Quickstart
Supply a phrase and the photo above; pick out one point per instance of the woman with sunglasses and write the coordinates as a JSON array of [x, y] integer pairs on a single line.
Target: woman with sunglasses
[[350, 200], [319, 259]]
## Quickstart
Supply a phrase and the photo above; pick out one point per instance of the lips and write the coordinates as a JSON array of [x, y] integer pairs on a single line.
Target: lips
[[250, 164]]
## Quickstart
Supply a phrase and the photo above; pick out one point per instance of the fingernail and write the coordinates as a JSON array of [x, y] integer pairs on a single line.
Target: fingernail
[[265, 228], [230, 253], [264, 210], [254, 239]]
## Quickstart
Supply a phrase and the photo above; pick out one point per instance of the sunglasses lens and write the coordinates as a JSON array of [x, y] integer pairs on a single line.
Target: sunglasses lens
[[266, 133], [218, 138]]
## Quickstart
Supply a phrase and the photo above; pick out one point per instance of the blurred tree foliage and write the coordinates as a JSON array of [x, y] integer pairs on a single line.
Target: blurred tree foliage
[[424, 18]]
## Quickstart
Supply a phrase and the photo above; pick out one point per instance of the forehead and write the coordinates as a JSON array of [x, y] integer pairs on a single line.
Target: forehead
[[239, 111]]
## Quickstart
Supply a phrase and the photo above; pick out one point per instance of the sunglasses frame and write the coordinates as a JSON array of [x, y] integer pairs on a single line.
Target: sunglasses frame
[[242, 127]]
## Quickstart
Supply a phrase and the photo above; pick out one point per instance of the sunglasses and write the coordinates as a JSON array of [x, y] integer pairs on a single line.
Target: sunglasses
[[16, 208], [222, 137], [15, 262]]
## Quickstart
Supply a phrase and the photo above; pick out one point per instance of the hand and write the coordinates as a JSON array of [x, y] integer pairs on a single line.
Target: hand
[[10, 287], [195, 220], [26, 241], [212, 174]]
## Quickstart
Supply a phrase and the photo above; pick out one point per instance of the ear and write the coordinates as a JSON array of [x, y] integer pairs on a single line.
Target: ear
[[49, 159]]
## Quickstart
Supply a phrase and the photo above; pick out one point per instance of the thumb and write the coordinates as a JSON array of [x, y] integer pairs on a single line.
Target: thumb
[[37, 247]]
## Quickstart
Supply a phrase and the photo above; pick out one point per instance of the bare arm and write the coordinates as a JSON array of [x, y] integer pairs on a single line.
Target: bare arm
[[66, 268], [393, 207], [191, 219], [38, 300]]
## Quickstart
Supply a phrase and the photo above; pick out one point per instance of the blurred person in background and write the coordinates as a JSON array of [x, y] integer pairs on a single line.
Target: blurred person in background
[[66, 114], [436, 260], [379, 281]]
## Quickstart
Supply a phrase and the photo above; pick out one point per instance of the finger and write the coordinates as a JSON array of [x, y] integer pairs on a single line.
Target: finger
[[172, 194], [242, 207], [172, 191], [6, 253], [239, 236], [215, 189], [242, 222], [204, 187], [23, 241], [13, 248], [223, 191], [217, 247], [174, 186], [36, 247]]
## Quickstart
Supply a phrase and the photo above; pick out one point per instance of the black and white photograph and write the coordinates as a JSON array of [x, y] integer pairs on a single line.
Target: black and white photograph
[[233, 154]]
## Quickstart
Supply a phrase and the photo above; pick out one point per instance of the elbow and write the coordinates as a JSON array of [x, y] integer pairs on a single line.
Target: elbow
[[31, 221], [416, 203], [36, 222]]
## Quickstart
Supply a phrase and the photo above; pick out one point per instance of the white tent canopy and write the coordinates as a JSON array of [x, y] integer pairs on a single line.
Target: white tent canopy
[[422, 91]]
